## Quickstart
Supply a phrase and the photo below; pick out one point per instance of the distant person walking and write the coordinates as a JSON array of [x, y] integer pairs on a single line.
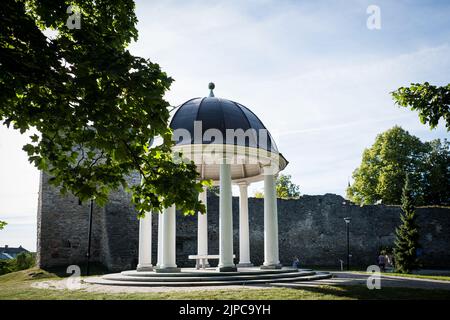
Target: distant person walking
[[389, 263], [382, 261], [296, 263]]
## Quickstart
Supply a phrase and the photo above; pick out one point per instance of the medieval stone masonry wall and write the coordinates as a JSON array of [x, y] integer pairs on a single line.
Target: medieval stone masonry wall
[[311, 228]]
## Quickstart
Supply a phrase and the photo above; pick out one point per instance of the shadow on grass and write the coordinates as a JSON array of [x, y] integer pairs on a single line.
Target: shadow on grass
[[334, 268], [95, 269], [387, 293]]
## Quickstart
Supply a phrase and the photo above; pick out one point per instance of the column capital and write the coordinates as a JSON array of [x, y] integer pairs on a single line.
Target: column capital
[[243, 184], [270, 169]]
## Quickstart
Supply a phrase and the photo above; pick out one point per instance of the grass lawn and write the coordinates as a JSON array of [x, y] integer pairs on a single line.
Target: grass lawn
[[406, 275], [17, 286]]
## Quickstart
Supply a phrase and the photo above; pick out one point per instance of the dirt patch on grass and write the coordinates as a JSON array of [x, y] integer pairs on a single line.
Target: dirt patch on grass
[[67, 284]]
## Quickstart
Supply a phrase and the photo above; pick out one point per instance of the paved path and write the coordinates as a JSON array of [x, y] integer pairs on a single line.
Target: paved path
[[351, 278]]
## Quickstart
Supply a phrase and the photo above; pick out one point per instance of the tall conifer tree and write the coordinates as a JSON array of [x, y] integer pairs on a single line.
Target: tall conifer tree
[[407, 241]]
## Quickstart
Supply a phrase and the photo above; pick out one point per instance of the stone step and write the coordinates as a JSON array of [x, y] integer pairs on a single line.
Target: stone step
[[212, 277], [208, 283], [211, 272]]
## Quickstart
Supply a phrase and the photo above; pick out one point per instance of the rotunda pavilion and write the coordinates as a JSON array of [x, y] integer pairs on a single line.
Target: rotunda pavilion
[[229, 145]]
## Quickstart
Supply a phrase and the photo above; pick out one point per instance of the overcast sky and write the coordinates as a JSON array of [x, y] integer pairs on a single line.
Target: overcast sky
[[313, 72]]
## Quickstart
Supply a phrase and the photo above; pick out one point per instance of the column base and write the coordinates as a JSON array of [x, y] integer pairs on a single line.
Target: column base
[[271, 266], [245, 265], [144, 267], [227, 269], [167, 270]]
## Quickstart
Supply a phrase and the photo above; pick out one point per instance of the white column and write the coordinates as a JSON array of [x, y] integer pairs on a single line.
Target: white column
[[168, 263], [271, 258], [160, 248], [202, 230], [225, 220], [244, 237], [145, 243]]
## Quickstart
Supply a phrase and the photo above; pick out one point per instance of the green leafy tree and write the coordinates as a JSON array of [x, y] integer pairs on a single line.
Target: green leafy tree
[[259, 195], [432, 102], [407, 241], [285, 188], [95, 106], [384, 166], [214, 190], [437, 173], [2, 224]]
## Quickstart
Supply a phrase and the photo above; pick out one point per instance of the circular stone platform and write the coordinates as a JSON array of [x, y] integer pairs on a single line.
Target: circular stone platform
[[189, 277]]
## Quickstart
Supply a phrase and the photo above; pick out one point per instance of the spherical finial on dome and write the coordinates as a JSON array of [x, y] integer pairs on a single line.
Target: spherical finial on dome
[[211, 87]]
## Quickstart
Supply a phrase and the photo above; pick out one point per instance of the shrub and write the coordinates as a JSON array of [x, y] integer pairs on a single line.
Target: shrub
[[24, 260], [5, 267]]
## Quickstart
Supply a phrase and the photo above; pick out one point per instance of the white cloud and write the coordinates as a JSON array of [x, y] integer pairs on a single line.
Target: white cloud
[[18, 191]]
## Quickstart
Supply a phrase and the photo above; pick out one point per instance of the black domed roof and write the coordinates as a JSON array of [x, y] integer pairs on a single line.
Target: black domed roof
[[221, 114]]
